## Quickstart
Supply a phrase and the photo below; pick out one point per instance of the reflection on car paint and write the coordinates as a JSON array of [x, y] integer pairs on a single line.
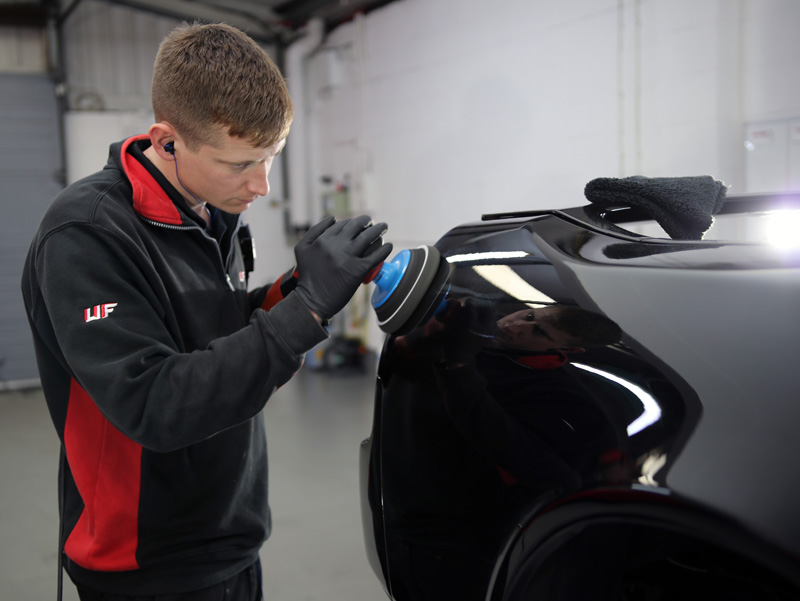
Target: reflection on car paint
[[532, 391], [464, 457]]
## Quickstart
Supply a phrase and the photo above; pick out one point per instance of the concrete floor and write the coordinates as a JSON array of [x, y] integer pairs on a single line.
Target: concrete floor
[[314, 426]]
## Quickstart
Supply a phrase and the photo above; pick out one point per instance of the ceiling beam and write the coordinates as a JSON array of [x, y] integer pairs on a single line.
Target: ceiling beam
[[255, 26], [23, 15]]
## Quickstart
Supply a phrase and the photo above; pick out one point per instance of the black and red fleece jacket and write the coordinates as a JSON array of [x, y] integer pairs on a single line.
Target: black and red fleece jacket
[[156, 363]]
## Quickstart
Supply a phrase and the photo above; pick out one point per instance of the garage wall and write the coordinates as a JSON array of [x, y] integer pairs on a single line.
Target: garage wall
[[440, 110], [770, 96], [770, 55], [436, 111]]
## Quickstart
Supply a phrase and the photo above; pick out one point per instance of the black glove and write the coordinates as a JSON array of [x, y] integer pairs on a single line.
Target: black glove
[[333, 258]]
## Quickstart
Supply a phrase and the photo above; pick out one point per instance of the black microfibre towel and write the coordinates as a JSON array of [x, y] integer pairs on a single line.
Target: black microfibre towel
[[683, 206]]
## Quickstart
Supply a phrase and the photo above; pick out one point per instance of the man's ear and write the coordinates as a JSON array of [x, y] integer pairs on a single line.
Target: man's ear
[[161, 134]]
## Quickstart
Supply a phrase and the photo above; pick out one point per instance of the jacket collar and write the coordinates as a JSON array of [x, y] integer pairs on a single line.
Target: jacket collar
[[552, 359], [149, 198]]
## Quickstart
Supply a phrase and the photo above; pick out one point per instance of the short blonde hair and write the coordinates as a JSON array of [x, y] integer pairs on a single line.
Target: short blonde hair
[[213, 75]]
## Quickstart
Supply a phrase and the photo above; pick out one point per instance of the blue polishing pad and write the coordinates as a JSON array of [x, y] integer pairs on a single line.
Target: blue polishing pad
[[389, 277]]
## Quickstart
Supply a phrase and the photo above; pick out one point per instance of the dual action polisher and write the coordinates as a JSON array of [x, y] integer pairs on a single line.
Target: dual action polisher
[[409, 289]]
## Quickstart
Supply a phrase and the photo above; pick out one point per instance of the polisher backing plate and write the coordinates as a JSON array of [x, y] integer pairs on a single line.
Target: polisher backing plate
[[395, 311], [431, 301]]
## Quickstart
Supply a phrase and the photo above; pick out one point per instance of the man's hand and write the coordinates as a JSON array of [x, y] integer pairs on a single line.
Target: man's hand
[[333, 258]]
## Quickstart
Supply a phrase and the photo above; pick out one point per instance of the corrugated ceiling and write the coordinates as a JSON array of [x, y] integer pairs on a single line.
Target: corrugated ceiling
[[272, 21]]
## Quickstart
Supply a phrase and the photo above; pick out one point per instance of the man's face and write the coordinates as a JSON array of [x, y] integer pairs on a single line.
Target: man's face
[[229, 175], [532, 330]]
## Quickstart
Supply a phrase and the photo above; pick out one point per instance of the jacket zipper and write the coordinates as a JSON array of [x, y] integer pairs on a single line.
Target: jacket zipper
[[187, 228]]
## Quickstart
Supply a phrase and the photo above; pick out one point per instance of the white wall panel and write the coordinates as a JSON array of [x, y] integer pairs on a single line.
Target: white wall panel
[[768, 156], [771, 96], [772, 53], [448, 109], [22, 50], [794, 154], [110, 52], [473, 110], [89, 134]]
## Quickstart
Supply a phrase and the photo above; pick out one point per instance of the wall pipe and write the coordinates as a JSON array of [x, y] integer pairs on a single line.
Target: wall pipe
[[58, 72], [297, 146]]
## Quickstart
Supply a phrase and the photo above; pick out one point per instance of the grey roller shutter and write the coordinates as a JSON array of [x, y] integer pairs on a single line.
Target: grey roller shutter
[[30, 176]]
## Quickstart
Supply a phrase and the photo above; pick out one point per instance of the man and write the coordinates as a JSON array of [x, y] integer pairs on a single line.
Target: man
[[155, 360], [554, 331]]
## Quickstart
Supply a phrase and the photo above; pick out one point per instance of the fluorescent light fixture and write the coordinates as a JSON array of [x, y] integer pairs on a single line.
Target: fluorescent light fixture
[[484, 256], [782, 228], [509, 281], [652, 410], [650, 467]]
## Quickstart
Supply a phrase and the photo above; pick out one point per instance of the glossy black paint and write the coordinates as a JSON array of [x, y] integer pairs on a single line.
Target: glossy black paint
[[676, 431]]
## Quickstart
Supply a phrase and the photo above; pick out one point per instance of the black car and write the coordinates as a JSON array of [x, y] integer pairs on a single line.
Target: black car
[[595, 412]]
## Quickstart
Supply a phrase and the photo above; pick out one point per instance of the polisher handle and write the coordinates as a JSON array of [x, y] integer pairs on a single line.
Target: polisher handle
[[374, 273]]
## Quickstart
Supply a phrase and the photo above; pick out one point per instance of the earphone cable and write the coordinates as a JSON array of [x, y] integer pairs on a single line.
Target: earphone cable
[[175, 159]]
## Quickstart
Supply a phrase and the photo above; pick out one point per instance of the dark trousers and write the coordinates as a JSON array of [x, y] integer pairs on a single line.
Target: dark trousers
[[244, 586]]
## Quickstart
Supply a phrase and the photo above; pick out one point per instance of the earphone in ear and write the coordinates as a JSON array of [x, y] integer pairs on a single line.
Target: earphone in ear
[[170, 148]]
